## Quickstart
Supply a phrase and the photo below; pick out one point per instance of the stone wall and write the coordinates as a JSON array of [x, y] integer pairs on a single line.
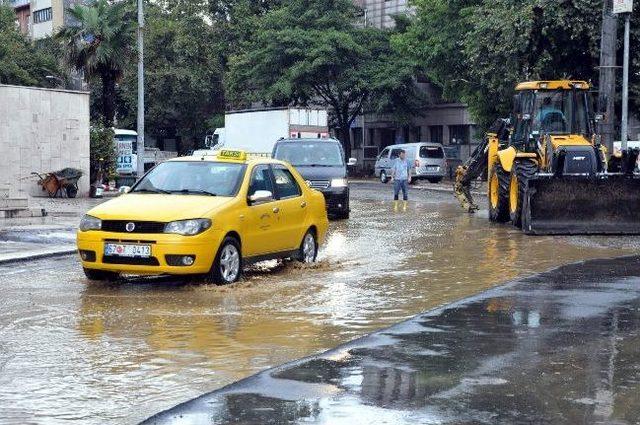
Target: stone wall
[[41, 130]]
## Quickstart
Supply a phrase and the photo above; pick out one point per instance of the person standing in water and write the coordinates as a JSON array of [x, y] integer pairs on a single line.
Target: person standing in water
[[401, 177]]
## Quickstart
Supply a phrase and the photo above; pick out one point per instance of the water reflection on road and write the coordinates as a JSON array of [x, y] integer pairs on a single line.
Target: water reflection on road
[[99, 353]]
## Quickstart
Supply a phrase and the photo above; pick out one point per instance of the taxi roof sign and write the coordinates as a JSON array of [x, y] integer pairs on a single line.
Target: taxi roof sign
[[235, 155]]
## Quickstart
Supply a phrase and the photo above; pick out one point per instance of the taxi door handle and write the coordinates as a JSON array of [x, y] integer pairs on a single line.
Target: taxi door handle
[[276, 210], [303, 204]]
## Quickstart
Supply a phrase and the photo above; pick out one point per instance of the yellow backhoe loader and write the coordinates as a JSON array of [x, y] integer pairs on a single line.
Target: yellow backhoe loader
[[546, 170]]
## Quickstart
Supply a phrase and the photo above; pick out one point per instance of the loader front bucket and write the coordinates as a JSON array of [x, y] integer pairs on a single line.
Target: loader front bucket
[[605, 204]]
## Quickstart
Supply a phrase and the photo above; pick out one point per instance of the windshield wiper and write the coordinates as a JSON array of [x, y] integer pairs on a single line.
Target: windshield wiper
[[194, 192], [150, 191]]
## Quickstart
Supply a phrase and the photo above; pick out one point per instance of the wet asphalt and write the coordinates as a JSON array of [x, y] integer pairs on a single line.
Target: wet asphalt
[[72, 351], [560, 347]]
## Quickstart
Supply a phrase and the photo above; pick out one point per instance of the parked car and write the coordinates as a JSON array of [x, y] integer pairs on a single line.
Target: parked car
[[428, 159], [204, 215], [322, 164]]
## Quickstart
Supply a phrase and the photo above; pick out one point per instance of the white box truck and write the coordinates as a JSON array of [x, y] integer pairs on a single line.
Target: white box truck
[[257, 130]]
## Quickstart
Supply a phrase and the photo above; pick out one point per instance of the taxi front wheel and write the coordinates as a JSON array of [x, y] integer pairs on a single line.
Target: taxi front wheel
[[227, 266], [308, 248]]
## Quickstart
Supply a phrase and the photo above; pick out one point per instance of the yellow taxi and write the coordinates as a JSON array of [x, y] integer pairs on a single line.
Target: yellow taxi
[[206, 215]]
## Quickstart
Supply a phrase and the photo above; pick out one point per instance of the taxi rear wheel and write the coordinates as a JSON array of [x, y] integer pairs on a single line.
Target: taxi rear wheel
[[227, 267], [308, 251], [100, 275]]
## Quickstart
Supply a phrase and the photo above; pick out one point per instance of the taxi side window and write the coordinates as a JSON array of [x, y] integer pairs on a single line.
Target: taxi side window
[[286, 185], [261, 180]]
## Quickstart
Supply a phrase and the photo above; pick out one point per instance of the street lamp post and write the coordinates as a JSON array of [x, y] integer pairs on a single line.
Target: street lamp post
[[140, 129], [625, 7], [625, 83]]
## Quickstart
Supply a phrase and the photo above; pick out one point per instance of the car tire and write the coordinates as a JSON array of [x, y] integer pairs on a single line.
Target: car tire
[[100, 275], [383, 177], [308, 251], [435, 180], [227, 266]]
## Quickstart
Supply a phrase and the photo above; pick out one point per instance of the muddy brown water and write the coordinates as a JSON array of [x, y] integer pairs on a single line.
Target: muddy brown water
[[85, 353]]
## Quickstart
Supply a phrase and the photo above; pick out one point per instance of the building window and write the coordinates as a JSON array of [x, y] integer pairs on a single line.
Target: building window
[[417, 134], [435, 133], [459, 134], [42, 15]]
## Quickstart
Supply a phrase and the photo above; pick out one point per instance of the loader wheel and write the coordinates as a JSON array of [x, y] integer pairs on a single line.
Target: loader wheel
[[521, 172], [498, 195]]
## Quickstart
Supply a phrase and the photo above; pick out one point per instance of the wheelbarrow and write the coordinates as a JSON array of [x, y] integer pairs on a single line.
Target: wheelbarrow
[[61, 182]]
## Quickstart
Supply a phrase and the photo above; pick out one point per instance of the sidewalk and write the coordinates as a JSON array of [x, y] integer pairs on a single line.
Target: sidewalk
[[558, 347], [444, 186], [23, 239]]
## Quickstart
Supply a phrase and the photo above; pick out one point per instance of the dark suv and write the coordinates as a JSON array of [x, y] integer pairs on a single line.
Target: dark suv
[[322, 164]]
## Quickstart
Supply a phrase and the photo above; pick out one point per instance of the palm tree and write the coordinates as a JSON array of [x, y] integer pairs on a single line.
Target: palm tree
[[100, 44]]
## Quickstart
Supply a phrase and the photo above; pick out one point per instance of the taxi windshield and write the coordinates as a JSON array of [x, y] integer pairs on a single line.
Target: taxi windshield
[[192, 178]]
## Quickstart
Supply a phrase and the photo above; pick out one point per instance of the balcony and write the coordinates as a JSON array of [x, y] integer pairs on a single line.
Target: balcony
[[19, 3]]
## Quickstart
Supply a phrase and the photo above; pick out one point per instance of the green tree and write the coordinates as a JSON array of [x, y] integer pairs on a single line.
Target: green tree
[[183, 77], [311, 52], [102, 158], [22, 62], [100, 45], [477, 50]]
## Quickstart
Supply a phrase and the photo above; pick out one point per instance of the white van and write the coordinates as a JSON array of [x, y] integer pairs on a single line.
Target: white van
[[428, 159]]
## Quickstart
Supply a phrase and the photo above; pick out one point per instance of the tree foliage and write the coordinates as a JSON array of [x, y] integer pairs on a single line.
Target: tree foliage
[[102, 158], [22, 62], [100, 45], [310, 52], [183, 76], [477, 50]]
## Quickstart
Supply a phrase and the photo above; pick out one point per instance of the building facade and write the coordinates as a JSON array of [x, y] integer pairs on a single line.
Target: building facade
[[41, 18], [379, 13], [49, 131], [443, 122]]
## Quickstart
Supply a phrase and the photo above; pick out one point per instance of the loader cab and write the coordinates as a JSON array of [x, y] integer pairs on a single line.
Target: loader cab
[[559, 108]]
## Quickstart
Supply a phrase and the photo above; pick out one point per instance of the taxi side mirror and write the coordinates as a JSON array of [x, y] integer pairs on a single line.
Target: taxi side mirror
[[124, 189], [260, 197]]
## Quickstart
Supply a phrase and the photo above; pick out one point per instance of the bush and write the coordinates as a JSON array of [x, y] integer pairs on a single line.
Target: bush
[[103, 153]]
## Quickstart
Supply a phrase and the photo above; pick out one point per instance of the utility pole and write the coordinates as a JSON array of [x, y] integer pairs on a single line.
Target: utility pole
[[625, 83], [140, 130], [607, 84]]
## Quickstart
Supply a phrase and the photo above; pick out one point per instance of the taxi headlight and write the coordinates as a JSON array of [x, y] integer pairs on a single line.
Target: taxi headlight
[[188, 227], [339, 182], [89, 222]]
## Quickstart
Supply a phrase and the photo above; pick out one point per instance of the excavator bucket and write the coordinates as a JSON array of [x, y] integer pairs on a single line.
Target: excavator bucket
[[605, 204]]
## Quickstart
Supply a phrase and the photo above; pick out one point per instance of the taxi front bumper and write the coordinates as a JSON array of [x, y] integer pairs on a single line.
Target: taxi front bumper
[[166, 252]]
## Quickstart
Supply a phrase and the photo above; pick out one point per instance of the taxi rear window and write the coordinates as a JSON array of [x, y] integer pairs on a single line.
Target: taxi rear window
[[193, 178]]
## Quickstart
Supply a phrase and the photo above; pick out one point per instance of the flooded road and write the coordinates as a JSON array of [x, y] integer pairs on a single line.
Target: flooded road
[[71, 351]]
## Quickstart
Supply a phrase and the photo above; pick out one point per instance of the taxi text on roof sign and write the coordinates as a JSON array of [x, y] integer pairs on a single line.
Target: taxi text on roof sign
[[233, 154]]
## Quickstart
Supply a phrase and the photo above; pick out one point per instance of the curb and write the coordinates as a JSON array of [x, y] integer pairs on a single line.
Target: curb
[[36, 256]]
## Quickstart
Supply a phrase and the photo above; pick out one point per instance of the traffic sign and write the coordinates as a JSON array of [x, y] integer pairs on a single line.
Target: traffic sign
[[622, 6]]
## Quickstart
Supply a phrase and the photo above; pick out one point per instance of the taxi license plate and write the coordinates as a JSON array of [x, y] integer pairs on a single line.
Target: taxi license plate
[[127, 250]]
